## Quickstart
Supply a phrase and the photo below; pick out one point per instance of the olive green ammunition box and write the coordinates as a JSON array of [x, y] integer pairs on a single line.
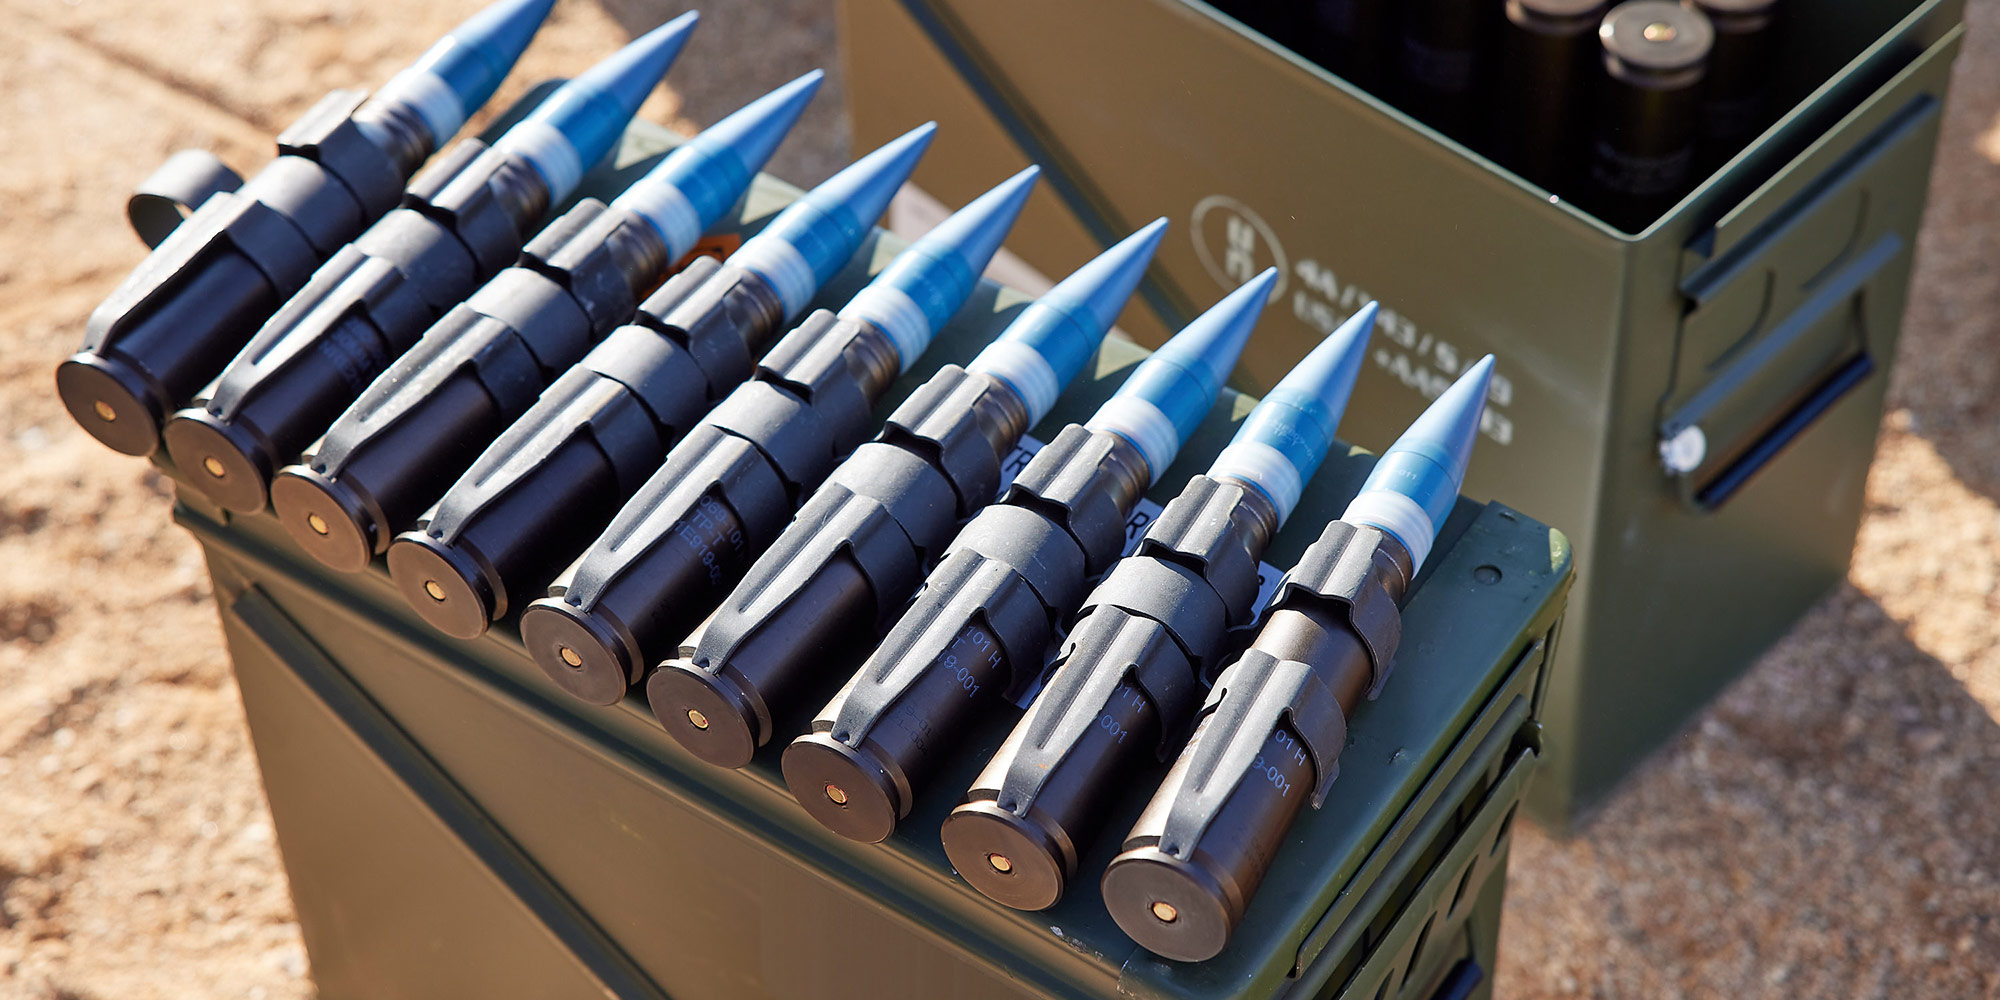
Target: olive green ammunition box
[[454, 825], [1695, 404]]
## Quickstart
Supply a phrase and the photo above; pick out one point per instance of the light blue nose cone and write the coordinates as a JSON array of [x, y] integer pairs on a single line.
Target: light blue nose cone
[[1164, 399], [1282, 442], [482, 51], [461, 72], [814, 237], [921, 289], [1413, 486], [1046, 347], [704, 176], [582, 120]]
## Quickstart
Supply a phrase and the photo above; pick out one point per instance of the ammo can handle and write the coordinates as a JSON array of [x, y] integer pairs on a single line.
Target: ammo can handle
[[1732, 477], [1459, 983], [172, 192], [1681, 440]]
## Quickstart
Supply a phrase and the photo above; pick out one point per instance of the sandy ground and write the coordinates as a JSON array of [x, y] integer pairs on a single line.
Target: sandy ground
[[1828, 829]]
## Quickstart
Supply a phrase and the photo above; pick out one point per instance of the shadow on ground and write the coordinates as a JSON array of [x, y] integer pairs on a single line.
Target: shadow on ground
[[1826, 830]]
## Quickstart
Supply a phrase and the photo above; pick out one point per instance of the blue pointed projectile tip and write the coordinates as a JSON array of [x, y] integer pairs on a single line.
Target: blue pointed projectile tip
[[470, 62], [489, 44], [1412, 488], [863, 190], [1448, 427], [1096, 292], [938, 272], [1319, 385], [824, 228], [1283, 441], [1181, 380], [700, 179], [1064, 327], [582, 120], [1207, 348], [973, 234], [752, 132]]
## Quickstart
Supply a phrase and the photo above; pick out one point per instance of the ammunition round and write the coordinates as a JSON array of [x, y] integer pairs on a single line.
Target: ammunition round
[[1655, 44], [1655, 56], [157, 358], [1043, 846], [325, 517], [904, 741], [111, 401], [233, 471], [1737, 88], [1183, 901], [366, 482], [443, 584], [1012, 860], [1440, 54], [716, 717], [583, 652], [849, 791], [766, 672], [1546, 67]]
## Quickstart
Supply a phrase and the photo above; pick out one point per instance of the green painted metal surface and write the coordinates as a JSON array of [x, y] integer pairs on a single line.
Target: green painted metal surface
[[1763, 309]]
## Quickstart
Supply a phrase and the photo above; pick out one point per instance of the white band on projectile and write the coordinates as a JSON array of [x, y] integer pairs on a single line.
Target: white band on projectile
[[1265, 466], [898, 315], [543, 145], [1026, 370], [1398, 515], [670, 212], [780, 263], [432, 98], [1145, 426]]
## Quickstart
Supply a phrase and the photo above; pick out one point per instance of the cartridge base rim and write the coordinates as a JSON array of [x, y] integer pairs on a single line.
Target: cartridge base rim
[[679, 689], [604, 669], [221, 458], [463, 604], [87, 381], [976, 832], [343, 539], [1139, 879], [816, 764]]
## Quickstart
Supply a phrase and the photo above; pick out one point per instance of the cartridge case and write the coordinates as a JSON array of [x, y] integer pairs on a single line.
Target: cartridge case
[[975, 634], [194, 302], [1269, 740], [1123, 692], [545, 487], [361, 310], [1642, 145], [867, 534], [1547, 76], [1441, 54], [1742, 72], [768, 442], [422, 423]]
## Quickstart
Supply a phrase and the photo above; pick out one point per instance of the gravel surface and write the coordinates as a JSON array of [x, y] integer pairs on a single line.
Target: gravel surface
[[1829, 828]]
